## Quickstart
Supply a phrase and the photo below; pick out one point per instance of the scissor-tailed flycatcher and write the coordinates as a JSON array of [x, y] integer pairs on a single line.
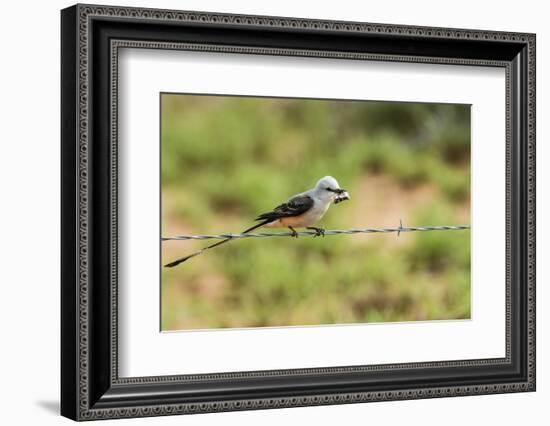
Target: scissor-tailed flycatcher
[[301, 211]]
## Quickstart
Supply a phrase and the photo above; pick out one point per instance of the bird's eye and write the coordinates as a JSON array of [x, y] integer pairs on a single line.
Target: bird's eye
[[329, 189]]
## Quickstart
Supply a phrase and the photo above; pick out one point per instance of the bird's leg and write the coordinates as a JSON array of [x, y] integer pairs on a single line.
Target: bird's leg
[[294, 233], [319, 232]]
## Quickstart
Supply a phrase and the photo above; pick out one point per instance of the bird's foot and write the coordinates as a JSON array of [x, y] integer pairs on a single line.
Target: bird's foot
[[319, 232], [294, 233]]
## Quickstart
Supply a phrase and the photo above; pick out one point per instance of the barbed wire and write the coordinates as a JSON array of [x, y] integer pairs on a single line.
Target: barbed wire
[[397, 230]]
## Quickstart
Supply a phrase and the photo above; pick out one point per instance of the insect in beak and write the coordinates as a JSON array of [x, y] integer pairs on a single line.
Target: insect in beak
[[342, 195]]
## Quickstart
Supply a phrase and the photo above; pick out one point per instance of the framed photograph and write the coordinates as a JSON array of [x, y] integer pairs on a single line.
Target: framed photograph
[[263, 212]]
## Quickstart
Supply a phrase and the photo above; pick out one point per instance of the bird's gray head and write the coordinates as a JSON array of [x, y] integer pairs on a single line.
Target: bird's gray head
[[327, 188]]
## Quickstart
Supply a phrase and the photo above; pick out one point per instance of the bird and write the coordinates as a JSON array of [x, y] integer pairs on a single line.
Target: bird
[[302, 210]]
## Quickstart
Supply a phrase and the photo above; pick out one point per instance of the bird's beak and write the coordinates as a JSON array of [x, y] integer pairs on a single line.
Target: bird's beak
[[342, 195]]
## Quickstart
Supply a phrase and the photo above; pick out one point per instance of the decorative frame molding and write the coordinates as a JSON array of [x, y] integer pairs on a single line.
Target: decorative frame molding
[[91, 37]]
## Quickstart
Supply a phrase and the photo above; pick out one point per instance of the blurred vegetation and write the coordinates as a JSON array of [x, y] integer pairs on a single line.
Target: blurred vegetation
[[227, 159]]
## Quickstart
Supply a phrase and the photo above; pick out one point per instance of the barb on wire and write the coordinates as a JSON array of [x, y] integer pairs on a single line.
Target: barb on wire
[[397, 230]]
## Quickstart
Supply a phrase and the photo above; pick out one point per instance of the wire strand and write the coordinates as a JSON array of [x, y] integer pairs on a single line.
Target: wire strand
[[397, 230]]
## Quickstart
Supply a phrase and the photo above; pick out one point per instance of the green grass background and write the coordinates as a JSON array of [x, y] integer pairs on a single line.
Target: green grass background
[[227, 159]]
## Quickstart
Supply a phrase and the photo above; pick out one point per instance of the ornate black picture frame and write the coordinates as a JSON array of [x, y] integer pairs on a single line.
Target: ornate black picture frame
[[91, 387]]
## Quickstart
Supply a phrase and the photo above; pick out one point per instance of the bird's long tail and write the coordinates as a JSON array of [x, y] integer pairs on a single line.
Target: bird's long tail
[[219, 243]]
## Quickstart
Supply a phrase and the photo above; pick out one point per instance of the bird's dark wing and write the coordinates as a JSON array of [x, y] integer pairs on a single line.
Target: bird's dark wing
[[294, 207]]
